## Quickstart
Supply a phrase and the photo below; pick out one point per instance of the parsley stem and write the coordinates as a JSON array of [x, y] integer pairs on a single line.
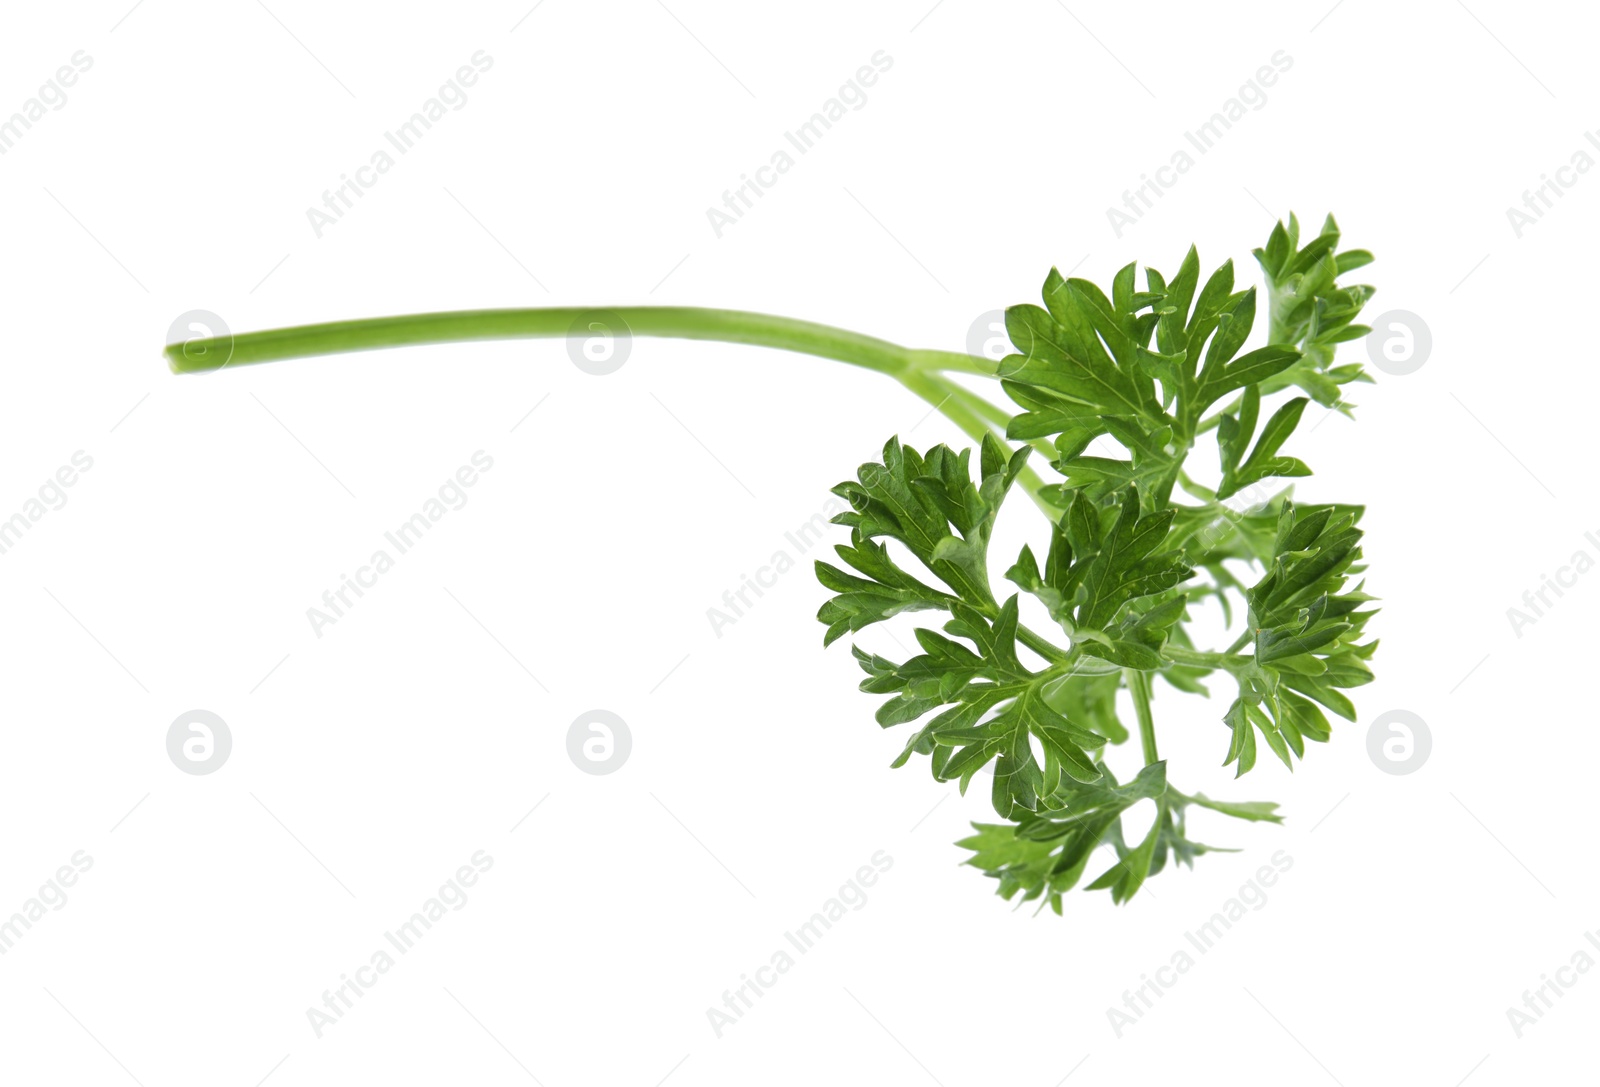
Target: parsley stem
[[1178, 654], [951, 362], [1210, 422], [459, 326], [1139, 686], [947, 397], [1000, 418], [1042, 646], [997, 416], [919, 370]]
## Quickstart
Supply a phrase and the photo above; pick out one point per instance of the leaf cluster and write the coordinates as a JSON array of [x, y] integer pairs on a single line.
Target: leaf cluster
[[1115, 390]]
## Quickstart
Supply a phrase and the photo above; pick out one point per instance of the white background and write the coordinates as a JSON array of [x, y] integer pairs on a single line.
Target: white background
[[370, 763]]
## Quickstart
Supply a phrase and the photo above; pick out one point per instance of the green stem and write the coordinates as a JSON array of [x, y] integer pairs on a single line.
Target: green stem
[[1182, 655], [1211, 421], [461, 326], [1196, 490], [951, 362], [1043, 646], [999, 417], [1139, 686], [918, 370], [943, 395]]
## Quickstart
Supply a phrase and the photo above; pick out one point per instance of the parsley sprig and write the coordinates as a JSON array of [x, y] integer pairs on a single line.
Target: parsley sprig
[[1132, 540]]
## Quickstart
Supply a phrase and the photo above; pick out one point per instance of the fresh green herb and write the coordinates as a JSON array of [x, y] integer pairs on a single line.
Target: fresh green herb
[[1121, 563]]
